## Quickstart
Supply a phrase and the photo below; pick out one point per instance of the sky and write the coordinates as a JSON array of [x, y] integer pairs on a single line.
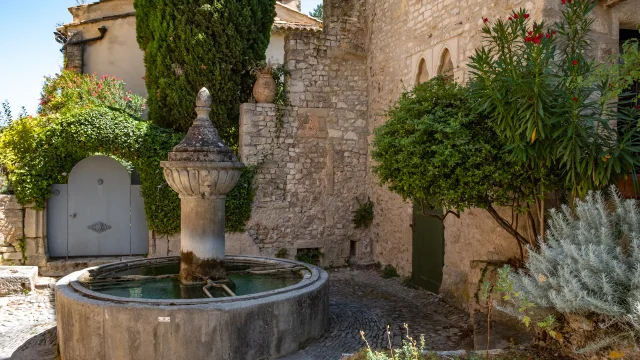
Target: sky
[[29, 50]]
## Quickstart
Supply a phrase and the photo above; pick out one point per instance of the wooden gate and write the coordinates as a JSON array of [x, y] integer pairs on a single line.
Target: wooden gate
[[428, 249], [98, 213]]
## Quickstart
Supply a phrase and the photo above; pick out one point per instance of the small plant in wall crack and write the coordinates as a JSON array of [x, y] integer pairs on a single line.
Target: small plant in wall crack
[[282, 100], [363, 216], [282, 253], [22, 246], [309, 256], [388, 272]]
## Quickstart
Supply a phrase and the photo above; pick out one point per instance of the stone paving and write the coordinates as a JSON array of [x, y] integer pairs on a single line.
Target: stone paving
[[359, 300], [27, 326]]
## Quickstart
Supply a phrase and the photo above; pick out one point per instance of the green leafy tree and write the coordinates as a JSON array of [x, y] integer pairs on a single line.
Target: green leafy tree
[[436, 150], [206, 43], [318, 12], [535, 83]]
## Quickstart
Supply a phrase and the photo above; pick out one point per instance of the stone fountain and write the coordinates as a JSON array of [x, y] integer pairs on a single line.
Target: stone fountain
[[205, 304], [202, 169]]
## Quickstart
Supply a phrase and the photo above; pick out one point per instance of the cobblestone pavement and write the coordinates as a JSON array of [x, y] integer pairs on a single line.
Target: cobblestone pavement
[[362, 300], [359, 300], [27, 326]]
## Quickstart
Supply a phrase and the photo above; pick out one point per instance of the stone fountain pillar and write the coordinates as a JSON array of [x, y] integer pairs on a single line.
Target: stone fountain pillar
[[202, 169]]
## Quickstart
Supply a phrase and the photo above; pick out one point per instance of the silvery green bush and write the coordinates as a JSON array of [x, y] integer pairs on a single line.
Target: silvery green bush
[[590, 261]]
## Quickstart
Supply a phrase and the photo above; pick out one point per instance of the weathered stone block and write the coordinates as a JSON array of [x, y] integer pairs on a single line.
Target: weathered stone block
[[173, 245], [34, 223], [12, 256], [16, 280], [32, 246]]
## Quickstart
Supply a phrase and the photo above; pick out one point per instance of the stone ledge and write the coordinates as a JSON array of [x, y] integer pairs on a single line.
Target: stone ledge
[[16, 280]]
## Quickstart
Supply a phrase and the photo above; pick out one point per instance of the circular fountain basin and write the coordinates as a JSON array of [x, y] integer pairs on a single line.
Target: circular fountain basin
[[264, 320]]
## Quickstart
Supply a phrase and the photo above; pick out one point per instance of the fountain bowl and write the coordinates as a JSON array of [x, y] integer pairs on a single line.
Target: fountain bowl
[[266, 325]]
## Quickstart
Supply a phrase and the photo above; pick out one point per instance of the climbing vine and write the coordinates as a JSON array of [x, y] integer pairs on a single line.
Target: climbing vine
[[42, 151], [282, 101]]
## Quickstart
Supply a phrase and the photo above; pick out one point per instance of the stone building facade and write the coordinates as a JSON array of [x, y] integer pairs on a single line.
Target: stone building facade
[[313, 157]]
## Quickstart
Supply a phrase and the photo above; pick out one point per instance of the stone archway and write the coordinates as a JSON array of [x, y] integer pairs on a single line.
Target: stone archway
[[446, 64], [423, 74], [98, 213]]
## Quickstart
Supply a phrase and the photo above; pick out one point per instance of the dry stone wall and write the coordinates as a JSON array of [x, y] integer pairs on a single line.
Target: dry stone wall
[[313, 161], [22, 233]]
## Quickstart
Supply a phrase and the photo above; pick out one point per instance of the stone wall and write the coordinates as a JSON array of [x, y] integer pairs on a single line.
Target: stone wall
[[402, 33], [22, 233], [313, 161]]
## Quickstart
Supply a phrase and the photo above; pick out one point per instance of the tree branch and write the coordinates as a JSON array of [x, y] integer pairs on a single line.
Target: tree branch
[[505, 225]]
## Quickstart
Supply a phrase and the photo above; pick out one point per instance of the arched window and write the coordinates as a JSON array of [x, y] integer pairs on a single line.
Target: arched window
[[423, 73], [446, 65]]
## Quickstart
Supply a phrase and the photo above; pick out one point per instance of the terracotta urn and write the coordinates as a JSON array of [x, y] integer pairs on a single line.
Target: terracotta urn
[[264, 90]]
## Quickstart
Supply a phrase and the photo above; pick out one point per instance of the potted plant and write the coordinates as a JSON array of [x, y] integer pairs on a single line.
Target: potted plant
[[265, 89]]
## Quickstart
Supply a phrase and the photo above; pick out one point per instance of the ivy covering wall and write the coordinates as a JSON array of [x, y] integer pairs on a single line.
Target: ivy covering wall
[[42, 151], [210, 43]]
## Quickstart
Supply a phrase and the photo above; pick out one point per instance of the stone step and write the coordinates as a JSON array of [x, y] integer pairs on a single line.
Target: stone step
[[44, 283]]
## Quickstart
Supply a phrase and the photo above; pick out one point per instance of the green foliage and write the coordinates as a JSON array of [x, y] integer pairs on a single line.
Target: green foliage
[[410, 349], [42, 151], [282, 253], [535, 84], [309, 256], [389, 271], [21, 245], [282, 101], [407, 281], [193, 44], [240, 201], [436, 146], [318, 12], [69, 90], [363, 216], [581, 287]]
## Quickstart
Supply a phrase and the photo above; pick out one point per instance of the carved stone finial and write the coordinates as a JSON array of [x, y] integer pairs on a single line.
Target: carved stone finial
[[204, 98]]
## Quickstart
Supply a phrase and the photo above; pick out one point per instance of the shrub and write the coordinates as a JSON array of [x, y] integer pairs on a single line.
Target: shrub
[[589, 268], [309, 256], [363, 216], [282, 253], [191, 44], [69, 90], [410, 349], [437, 150], [537, 86], [42, 151], [389, 271]]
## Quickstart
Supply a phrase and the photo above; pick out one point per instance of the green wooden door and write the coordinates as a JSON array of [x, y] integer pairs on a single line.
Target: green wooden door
[[428, 249]]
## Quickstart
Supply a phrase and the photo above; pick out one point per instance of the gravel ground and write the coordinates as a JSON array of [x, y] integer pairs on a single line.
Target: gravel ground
[[359, 300]]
